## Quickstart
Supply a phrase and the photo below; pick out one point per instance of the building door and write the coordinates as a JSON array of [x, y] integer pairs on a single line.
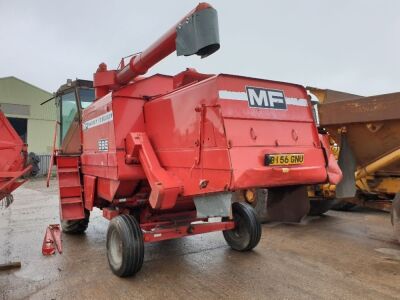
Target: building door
[[21, 127]]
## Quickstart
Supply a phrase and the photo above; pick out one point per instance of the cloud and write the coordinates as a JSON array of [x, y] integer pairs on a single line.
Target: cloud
[[345, 45]]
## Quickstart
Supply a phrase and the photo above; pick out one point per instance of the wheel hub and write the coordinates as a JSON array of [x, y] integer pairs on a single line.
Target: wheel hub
[[115, 248]]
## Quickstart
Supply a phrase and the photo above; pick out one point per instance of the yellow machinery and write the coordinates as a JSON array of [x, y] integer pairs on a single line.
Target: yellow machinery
[[367, 132]]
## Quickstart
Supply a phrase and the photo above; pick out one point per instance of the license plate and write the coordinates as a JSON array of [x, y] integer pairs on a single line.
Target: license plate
[[284, 159]]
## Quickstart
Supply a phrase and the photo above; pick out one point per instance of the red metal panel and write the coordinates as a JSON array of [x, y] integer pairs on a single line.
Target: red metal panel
[[211, 158], [151, 86], [240, 109], [12, 148], [202, 137], [107, 188], [334, 173], [95, 128], [247, 134], [165, 187], [13, 158], [249, 169], [89, 182], [217, 180], [243, 132], [109, 213]]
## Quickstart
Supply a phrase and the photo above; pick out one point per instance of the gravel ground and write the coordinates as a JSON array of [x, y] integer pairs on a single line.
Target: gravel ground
[[346, 255]]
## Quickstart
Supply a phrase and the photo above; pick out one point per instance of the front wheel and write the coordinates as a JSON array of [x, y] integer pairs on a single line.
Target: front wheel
[[342, 205], [247, 232], [320, 206], [76, 226], [125, 247]]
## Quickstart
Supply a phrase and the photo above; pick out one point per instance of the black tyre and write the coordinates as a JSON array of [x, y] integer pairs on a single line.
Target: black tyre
[[396, 224], [396, 216], [320, 206], [342, 205], [125, 247], [34, 160], [247, 232], [76, 226]]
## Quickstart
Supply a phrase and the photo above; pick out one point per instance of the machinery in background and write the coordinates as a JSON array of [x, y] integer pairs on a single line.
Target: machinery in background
[[15, 162], [169, 156], [367, 132]]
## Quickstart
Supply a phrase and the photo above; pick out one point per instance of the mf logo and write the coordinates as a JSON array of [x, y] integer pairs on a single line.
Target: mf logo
[[265, 98]]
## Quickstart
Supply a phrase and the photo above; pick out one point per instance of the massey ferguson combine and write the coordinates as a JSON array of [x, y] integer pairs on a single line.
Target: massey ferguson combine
[[163, 156]]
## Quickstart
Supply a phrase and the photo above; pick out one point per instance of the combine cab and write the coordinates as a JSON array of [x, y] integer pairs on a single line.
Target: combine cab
[[71, 99], [166, 156]]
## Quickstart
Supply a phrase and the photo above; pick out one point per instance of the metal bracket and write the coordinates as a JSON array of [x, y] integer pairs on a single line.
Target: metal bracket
[[165, 187]]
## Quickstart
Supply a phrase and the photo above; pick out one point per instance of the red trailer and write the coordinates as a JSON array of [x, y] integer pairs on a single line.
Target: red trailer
[[13, 160], [163, 155]]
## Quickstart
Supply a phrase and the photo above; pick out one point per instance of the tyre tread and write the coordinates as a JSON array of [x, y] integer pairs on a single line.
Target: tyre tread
[[76, 226], [247, 212], [132, 242]]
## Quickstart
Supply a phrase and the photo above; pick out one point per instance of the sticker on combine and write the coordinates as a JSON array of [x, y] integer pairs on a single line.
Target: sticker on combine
[[265, 98], [105, 118], [242, 96], [102, 145]]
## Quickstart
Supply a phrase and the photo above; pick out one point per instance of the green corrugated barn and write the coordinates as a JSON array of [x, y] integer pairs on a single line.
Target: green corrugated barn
[[20, 101]]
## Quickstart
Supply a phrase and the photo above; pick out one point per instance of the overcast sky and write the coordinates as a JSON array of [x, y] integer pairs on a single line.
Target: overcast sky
[[352, 46]]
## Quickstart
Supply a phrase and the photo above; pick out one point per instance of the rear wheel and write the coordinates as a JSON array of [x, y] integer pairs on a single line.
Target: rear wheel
[[396, 216], [396, 225], [34, 161], [76, 226], [125, 247], [247, 232], [320, 206]]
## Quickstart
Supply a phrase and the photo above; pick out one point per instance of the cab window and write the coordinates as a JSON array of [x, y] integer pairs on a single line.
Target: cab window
[[86, 96], [68, 112]]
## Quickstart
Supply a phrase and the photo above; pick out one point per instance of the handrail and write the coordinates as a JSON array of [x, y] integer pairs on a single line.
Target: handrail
[[52, 155]]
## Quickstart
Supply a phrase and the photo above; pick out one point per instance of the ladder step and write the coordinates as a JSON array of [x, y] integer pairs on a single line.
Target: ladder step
[[71, 185], [67, 162], [72, 191], [71, 200], [67, 170], [69, 179]]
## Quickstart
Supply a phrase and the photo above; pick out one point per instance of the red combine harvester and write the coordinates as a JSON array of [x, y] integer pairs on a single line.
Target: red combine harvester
[[163, 156], [13, 161]]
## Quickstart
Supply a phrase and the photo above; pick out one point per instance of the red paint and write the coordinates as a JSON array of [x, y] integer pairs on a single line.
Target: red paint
[[70, 189], [170, 135], [52, 240], [334, 172], [13, 158], [89, 182]]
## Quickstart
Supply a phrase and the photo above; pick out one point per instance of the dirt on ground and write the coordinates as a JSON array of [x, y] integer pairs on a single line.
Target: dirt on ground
[[346, 255]]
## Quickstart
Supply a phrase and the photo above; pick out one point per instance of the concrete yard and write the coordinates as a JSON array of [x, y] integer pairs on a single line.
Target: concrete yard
[[348, 255]]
